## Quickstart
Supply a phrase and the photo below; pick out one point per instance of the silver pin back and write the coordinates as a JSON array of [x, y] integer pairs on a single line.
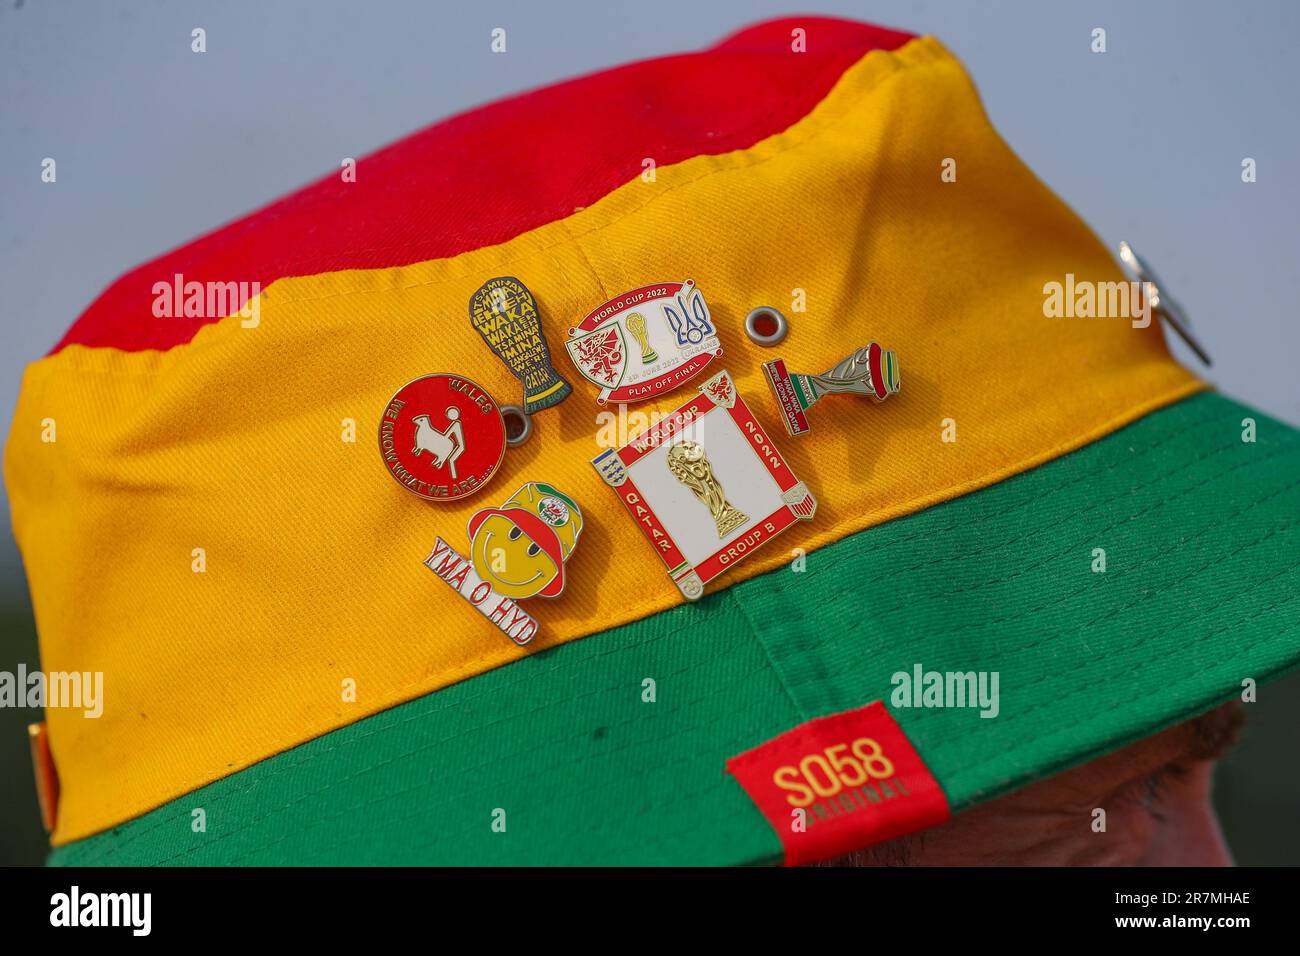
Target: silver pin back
[[1161, 303]]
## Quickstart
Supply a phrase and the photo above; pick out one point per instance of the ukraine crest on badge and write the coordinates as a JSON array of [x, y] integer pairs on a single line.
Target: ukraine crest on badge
[[645, 342], [706, 485]]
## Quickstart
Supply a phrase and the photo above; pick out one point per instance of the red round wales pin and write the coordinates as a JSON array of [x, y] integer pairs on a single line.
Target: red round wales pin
[[442, 437]]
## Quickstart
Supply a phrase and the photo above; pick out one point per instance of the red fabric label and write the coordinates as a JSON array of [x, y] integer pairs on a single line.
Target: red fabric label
[[840, 783]]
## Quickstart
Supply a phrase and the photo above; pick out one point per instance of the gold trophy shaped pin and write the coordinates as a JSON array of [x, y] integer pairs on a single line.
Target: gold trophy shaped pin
[[868, 371], [690, 465], [505, 313], [636, 325]]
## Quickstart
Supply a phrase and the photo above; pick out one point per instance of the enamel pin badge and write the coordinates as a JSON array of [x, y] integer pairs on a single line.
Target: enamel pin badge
[[505, 313], [706, 485], [868, 371], [645, 342], [442, 437], [517, 552]]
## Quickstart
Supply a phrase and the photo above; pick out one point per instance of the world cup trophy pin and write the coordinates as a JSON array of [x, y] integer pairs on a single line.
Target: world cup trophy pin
[[690, 465], [505, 314], [868, 371], [716, 448], [636, 325]]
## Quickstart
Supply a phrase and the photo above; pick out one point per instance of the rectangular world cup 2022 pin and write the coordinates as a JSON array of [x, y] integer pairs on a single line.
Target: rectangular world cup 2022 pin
[[706, 485]]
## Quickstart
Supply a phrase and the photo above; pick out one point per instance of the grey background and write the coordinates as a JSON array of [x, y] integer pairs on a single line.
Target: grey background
[[156, 145]]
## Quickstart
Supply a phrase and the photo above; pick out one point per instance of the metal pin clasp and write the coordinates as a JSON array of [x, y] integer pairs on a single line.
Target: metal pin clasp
[[1163, 304]]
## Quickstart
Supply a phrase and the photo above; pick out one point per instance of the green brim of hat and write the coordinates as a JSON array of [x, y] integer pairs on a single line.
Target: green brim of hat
[[1200, 593]]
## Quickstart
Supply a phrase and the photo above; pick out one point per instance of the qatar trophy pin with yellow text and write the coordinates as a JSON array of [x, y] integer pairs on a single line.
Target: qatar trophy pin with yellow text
[[706, 485], [517, 552], [505, 313], [868, 371]]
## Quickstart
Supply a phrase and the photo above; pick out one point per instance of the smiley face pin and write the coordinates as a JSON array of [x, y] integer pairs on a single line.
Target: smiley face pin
[[520, 548], [517, 551]]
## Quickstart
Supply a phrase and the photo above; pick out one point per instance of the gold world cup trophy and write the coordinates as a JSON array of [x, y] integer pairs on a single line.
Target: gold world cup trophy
[[505, 314], [636, 325], [690, 465]]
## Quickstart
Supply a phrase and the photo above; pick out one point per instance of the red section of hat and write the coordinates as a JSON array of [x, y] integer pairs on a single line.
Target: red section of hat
[[451, 188]]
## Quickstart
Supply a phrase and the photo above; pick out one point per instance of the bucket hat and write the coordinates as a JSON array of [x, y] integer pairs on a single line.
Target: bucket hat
[[1048, 497]]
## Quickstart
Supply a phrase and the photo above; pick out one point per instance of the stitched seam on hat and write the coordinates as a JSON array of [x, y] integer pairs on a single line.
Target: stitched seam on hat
[[1107, 468], [925, 532], [1032, 645], [842, 64], [950, 778], [286, 765], [1020, 572], [749, 619], [1074, 727], [1027, 613], [950, 739], [575, 236], [818, 127], [1119, 576], [777, 669], [600, 283], [474, 667]]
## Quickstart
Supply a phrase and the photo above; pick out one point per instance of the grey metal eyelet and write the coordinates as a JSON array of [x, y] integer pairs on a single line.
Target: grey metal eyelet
[[516, 420], [765, 314]]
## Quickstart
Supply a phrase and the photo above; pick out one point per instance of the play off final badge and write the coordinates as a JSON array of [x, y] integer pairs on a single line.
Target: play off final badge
[[517, 551], [645, 342]]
